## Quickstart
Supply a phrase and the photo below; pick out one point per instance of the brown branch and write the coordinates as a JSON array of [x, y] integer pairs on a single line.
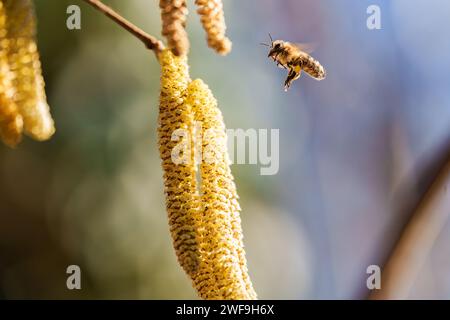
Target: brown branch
[[149, 41], [416, 241]]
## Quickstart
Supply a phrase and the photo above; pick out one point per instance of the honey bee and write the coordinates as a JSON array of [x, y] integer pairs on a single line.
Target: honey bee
[[294, 57]]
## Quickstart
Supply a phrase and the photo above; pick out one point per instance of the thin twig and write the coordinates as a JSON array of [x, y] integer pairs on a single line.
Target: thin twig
[[149, 41], [416, 241]]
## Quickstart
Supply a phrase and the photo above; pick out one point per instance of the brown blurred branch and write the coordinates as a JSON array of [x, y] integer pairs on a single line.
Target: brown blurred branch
[[149, 41], [416, 241]]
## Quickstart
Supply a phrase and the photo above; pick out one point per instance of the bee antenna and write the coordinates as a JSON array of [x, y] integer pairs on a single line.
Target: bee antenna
[[265, 44], [271, 40]]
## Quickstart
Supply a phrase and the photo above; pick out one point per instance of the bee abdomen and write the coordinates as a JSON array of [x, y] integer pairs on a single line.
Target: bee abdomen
[[312, 67]]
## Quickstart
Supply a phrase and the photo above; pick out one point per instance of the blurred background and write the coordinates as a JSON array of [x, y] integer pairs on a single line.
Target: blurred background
[[357, 151]]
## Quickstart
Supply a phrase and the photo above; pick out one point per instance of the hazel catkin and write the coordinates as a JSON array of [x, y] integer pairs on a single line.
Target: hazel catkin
[[174, 16], [220, 236], [11, 122], [203, 210], [213, 21], [24, 62], [179, 178]]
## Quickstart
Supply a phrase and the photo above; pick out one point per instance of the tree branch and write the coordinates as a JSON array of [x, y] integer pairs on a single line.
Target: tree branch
[[416, 241], [149, 41]]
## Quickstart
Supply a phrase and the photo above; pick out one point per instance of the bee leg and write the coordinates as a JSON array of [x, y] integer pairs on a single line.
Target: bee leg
[[292, 75], [280, 65]]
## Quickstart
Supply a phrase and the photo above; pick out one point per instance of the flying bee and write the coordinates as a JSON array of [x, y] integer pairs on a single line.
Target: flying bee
[[294, 57]]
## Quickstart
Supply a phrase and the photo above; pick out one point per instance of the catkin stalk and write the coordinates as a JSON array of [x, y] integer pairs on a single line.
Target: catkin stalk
[[25, 64], [11, 122]]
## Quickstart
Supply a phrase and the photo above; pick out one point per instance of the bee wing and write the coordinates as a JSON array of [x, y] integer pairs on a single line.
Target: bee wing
[[308, 47]]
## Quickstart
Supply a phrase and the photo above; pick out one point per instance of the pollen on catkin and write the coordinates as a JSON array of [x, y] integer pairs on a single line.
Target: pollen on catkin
[[203, 211], [213, 21], [182, 200], [174, 16], [25, 64], [223, 270], [11, 122]]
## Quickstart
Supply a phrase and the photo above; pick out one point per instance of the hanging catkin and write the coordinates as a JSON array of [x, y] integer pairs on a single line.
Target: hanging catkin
[[174, 15], [24, 62], [213, 21], [203, 215], [179, 178], [223, 263], [11, 123]]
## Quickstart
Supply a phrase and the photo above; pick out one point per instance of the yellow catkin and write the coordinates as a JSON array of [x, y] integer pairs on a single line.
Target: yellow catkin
[[25, 64], [213, 21], [223, 268], [174, 15], [203, 211], [11, 123], [179, 179]]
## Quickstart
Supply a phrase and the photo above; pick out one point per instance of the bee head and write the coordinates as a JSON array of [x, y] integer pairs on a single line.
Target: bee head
[[276, 47]]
